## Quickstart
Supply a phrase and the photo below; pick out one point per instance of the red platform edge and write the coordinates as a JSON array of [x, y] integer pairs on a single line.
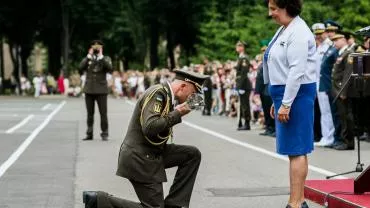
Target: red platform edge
[[317, 190]]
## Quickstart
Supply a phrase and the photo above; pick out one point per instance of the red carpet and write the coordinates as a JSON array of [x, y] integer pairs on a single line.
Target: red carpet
[[318, 190]]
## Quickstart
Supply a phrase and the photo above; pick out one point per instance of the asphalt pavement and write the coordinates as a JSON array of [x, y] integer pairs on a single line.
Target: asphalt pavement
[[44, 162]]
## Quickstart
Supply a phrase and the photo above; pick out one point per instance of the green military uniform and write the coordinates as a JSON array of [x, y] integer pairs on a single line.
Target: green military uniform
[[342, 69], [144, 154], [244, 87], [96, 89]]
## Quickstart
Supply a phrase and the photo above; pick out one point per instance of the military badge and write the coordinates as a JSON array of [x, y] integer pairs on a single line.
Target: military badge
[[89, 63], [157, 107], [244, 63]]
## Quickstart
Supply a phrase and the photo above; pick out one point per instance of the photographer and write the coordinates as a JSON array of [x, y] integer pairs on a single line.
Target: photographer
[[96, 89]]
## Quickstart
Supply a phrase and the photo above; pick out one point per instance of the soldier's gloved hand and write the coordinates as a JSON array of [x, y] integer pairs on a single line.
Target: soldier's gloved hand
[[183, 108]]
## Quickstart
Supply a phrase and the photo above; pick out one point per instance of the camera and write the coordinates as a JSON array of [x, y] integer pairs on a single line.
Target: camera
[[96, 51]]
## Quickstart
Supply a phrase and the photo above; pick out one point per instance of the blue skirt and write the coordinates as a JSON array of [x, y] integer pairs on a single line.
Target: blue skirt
[[295, 137]]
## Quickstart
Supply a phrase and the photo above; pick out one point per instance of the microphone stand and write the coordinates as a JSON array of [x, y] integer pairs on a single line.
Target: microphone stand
[[359, 166]]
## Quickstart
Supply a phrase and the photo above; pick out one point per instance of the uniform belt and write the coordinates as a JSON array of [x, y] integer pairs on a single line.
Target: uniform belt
[[144, 150]]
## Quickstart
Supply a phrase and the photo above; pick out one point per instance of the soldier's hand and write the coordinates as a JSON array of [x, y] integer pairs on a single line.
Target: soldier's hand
[[183, 108]]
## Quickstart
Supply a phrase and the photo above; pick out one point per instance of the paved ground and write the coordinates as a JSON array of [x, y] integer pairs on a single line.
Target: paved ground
[[44, 163]]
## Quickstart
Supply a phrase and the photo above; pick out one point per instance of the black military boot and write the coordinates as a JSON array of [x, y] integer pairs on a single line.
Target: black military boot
[[90, 199], [104, 136], [246, 127], [87, 138]]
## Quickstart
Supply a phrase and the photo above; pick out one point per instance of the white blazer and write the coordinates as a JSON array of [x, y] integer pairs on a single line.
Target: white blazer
[[292, 59]]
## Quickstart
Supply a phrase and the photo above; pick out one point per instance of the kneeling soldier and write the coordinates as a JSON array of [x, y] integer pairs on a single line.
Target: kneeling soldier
[[145, 154]]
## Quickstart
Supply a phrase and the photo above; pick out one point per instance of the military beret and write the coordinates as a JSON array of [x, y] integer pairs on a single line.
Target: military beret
[[318, 28], [241, 43], [97, 42], [332, 26], [194, 78]]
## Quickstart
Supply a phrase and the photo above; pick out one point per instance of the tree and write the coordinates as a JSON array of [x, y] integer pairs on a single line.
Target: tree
[[213, 32]]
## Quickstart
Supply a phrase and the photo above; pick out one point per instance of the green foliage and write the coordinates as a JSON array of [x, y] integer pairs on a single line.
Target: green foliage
[[248, 21], [130, 28]]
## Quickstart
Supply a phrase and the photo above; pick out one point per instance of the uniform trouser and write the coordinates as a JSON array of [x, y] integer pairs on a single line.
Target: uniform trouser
[[346, 119], [101, 100], [245, 109], [317, 124], [336, 118], [266, 106], [187, 159], [208, 100], [327, 125]]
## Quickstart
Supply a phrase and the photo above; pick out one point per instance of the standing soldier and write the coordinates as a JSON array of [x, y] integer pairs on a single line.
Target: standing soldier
[[207, 88], [243, 86], [341, 71], [145, 154], [326, 118], [325, 83], [96, 87]]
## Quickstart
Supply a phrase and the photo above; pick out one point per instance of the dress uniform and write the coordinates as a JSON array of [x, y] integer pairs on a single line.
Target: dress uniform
[[96, 88], [244, 87], [341, 72], [144, 154], [325, 118], [325, 82]]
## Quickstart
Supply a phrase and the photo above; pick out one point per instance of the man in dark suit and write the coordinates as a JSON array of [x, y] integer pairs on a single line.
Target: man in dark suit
[[243, 86], [96, 87], [145, 154], [341, 72], [262, 90]]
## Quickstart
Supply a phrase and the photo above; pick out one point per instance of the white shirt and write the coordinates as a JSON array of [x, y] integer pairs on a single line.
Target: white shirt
[[321, 49], [292, 59]]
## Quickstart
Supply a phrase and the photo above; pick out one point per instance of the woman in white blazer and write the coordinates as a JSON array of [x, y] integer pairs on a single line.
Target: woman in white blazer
[[289, 69]]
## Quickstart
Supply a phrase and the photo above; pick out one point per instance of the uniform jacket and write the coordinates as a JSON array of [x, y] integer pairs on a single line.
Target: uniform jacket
[[140, 156], [96, 70], [327, 64], [261, 87], [242, 69], [342, 70]]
